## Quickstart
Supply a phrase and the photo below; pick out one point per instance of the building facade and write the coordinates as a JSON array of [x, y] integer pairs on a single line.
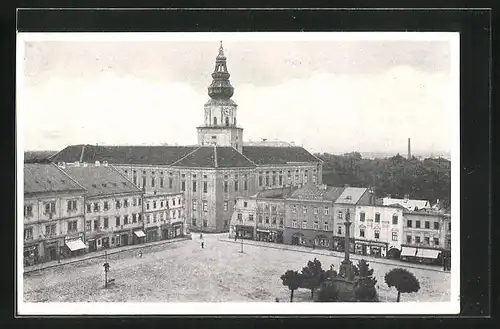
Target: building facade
[[310, 216], [214, 173], [345, 210], [426, 236], [378, 230], [113, 206], [53, 214], [164, 216]]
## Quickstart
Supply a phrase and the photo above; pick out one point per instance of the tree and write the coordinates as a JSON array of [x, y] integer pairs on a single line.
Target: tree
[[365, 290], [403, 280], [312, 276], [291, 279]]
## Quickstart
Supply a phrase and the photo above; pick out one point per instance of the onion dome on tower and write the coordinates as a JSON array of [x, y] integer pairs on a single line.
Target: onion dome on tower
[[220, 88]]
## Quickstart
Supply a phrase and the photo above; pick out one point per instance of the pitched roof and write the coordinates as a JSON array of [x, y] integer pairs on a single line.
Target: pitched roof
[[152, 155], [351, 195], [101, 180], [276, 193], [214, 157], [40, 178], [407, 203], [313, 192], [264, 155]]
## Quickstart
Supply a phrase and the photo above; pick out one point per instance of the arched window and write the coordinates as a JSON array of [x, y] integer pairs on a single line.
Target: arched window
[[227, 121], [215, 121]]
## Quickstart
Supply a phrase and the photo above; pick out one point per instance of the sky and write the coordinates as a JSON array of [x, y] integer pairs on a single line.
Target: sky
[[327, 95]]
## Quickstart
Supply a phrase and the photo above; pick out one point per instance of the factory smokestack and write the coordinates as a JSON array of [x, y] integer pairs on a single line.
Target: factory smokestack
[[409, 149]]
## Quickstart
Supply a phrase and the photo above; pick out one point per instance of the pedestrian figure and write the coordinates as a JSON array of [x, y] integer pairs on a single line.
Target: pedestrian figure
[[140, 253], [235, 237], [201, 236], [202, 245], [277, 300]]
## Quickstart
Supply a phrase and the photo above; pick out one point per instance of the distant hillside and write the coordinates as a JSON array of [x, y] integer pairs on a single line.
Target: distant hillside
[[37, 156], [428, 179]]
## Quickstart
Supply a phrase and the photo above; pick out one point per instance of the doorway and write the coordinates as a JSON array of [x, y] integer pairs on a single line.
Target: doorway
[[92, 245], [51, 253], [124, 240]]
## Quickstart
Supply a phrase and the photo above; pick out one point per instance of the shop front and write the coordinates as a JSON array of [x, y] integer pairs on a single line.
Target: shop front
[[176, 230], [245, 232], [429, 256], [73, 246], [139, 237], [164, 229], [371, 248], [338, 244], [298, 239], [30, 255], [408, 253], [51, 250], [275, 236], [322, 241], [151, 234]]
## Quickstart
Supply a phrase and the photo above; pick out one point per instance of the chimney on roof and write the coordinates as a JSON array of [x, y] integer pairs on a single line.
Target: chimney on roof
[[77, 164], [409, 149], [407, 197], [346, 185], [97, 163], [61, 165], [264, 139], [105, 163], [84, 164]]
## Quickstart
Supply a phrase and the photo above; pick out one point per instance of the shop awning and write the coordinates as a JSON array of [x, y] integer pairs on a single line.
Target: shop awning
[[75, 245], [428, 253], [139, 234], [408, 251]]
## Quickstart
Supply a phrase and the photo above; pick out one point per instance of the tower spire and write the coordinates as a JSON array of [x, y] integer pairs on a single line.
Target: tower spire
[[220, 88]]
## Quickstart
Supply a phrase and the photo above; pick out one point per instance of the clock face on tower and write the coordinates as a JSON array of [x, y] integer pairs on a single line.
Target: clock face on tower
[[226, 111]]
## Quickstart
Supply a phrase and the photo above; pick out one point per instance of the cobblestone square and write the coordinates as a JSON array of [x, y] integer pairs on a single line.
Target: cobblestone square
[[184, 272]]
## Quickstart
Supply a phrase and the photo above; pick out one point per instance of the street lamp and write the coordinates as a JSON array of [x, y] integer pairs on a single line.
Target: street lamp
[[106, 269]]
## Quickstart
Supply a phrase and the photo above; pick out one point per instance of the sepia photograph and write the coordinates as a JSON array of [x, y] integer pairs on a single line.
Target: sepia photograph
[[229, 173]]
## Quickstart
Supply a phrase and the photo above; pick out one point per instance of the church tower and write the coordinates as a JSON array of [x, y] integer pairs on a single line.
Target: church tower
[[220, 111]]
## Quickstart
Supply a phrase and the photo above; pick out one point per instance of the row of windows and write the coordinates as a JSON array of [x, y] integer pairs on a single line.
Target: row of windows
[[162, 216], [96, 206], [325, 227], [427, 224], [326, 210], [427, 240], [162, 203], [377, 234], [395, 218], [280, 182], [50, 230], [50, 208], [153, 181], [95, 225], [205, 186]]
